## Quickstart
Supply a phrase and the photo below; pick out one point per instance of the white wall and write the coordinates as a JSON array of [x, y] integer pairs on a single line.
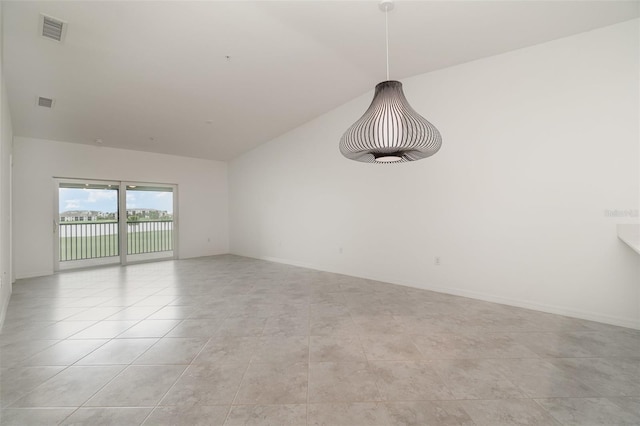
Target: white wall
[[202, 195], [538, 143], [6, 142]]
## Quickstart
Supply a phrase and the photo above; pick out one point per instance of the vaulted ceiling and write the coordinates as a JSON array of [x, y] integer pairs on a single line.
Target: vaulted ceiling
[[215, 79]]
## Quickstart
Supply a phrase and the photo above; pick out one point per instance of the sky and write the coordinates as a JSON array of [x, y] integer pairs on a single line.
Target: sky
[[106, 200]]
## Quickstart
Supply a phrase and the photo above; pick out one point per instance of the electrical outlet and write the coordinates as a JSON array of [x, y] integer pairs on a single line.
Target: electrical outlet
[[436, 260]]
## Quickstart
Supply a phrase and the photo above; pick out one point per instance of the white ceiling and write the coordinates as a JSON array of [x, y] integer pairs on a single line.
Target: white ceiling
[[149, 75]]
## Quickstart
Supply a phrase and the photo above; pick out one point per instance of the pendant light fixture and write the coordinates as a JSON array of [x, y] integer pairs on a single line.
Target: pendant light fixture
[[390, 131]]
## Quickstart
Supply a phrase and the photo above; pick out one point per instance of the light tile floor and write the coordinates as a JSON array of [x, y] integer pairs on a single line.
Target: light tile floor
[[236, 341]]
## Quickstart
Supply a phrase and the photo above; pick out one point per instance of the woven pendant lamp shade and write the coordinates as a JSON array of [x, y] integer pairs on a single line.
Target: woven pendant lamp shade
[[390, 131]]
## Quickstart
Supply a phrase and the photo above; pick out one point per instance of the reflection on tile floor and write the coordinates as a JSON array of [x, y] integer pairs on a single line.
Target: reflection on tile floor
[[236, 341]]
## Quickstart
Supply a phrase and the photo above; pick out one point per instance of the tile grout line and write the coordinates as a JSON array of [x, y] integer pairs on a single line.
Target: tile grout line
[[176, 381], [239, 386], [546, 411], [126, 366]]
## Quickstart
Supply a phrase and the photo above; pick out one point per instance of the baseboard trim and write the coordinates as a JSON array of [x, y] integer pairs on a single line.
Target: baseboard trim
[[33, 274], [6, 296], [292, 263], [551, 309]]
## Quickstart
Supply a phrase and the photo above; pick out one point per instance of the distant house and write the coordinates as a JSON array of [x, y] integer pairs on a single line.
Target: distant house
[[81, 216], [93, 216], [148, 214]]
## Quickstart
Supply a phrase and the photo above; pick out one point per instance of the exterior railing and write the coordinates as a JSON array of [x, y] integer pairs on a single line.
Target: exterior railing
[[91, 240], [79, 241], [149, 236]]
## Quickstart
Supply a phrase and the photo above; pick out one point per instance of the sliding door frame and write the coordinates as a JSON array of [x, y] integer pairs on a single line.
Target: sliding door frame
[[122, 258]]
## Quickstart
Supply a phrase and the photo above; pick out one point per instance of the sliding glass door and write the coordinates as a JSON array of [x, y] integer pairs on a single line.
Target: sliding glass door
[[86, 227], [107, 222], [149, 224]]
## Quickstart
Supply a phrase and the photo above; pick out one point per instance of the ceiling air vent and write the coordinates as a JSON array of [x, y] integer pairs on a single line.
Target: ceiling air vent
[[45, 102], [52, 28]]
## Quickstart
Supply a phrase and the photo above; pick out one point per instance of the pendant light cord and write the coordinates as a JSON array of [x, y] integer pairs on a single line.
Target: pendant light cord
[[386, 27]]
